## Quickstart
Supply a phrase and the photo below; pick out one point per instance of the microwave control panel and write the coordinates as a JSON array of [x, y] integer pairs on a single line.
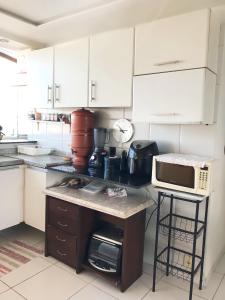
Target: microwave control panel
[[203, 179]]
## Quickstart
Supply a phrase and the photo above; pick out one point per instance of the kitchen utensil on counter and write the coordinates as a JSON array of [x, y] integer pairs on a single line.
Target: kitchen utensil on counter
[[97, 157], [111, 166], [140, 157], [82, 124], [34, 150], [94, 187], [123, 162]]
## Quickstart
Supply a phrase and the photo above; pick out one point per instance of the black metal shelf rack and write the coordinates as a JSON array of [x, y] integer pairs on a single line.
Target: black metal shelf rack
[[173, 260]]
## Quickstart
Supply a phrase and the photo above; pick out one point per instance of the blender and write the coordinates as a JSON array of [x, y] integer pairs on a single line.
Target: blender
[[97, 157]]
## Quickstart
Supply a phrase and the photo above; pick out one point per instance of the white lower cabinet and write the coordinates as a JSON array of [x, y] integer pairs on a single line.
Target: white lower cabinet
[[182, 97], [12, 184], [34, 200]]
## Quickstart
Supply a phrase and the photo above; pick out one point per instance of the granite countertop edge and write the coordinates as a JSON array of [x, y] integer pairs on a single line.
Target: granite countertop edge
[[97, 207]]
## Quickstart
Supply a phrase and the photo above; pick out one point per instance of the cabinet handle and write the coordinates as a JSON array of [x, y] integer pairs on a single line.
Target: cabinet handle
[[165, 114], [61, 224], [61, 253], [171, 62], [49, 94], [59, 239], [92, 90], [62, 209], [57, 93]]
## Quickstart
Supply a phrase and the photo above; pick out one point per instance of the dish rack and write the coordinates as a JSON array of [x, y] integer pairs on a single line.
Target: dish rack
[[173, 260]]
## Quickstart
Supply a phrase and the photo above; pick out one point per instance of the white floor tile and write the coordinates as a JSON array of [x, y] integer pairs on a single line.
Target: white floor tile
[[10, 295], [53, 283], [148, 270], [165, 291], [50, 259], [135, 292], [25, 271], [84, 275], [220, 268], [206, 293], [3, 287], [220, 294], [91, 292], [146, 280]]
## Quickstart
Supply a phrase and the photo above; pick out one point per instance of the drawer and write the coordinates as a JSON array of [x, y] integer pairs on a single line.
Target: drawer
[[63, 215], [64, 224], [63, 208], [61, 245]]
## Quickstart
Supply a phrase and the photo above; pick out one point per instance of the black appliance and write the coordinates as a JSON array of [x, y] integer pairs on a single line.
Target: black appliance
[[97, 157], [105, 251], [140, 157]]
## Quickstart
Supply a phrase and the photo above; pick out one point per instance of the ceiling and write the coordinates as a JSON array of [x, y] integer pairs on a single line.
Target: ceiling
[[42, 11], [38, 23]]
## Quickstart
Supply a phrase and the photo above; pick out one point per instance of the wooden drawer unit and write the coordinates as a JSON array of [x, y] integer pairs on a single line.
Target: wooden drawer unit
[[61, 245], [63, 215]]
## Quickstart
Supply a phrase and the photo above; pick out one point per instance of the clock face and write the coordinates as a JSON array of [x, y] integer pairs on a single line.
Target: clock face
[[123, 130]]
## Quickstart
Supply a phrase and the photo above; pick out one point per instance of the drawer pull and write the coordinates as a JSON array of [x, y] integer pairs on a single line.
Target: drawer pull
[[61, 224], [165, 114], [59, 239], [164, 63], [62, 209], [61, 253]]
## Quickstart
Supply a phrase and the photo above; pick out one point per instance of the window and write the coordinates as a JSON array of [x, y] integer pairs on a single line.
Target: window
[[13, 99]]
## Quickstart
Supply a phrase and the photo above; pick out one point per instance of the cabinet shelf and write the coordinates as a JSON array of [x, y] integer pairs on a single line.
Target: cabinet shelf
[[180, 263], [182, 227]]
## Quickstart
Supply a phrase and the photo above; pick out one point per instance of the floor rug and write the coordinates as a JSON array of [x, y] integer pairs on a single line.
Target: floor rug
[[15, 253]]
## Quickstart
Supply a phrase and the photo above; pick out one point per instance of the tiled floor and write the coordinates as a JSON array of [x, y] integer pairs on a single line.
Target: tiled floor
[[47, 279]]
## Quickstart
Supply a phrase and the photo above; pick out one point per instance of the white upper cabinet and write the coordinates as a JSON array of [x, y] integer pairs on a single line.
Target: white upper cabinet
[[181, 42], [181, 97], [71, 74], [111, 69], [40, 77]]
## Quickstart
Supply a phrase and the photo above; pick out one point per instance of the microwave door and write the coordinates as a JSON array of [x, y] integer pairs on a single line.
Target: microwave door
[[175, 174]]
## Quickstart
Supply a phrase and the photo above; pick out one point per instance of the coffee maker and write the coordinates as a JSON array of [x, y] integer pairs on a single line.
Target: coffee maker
[[140, 157], [97, 157]]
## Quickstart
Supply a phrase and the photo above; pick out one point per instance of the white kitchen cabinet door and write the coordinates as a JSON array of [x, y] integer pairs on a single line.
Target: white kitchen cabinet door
[[181, 97], [34, 204], [181, 42], [12, 184], [111, 69], [40, 77], [71, 74]]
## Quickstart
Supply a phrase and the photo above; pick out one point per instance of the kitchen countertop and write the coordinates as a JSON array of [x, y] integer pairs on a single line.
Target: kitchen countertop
[[119, 207], [9, 161], [40, 161]]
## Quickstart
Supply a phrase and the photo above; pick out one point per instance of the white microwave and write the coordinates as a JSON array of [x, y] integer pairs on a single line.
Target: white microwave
[[182, 172]]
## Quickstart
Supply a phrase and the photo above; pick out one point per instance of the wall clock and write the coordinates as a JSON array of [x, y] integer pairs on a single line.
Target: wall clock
[[123, 130]]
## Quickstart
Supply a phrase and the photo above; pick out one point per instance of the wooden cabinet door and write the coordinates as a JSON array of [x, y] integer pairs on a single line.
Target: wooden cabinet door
[[175, 97], [176, 43], [40, 77], [11, 181], [34, 204], [71, 74], [111, 69]]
